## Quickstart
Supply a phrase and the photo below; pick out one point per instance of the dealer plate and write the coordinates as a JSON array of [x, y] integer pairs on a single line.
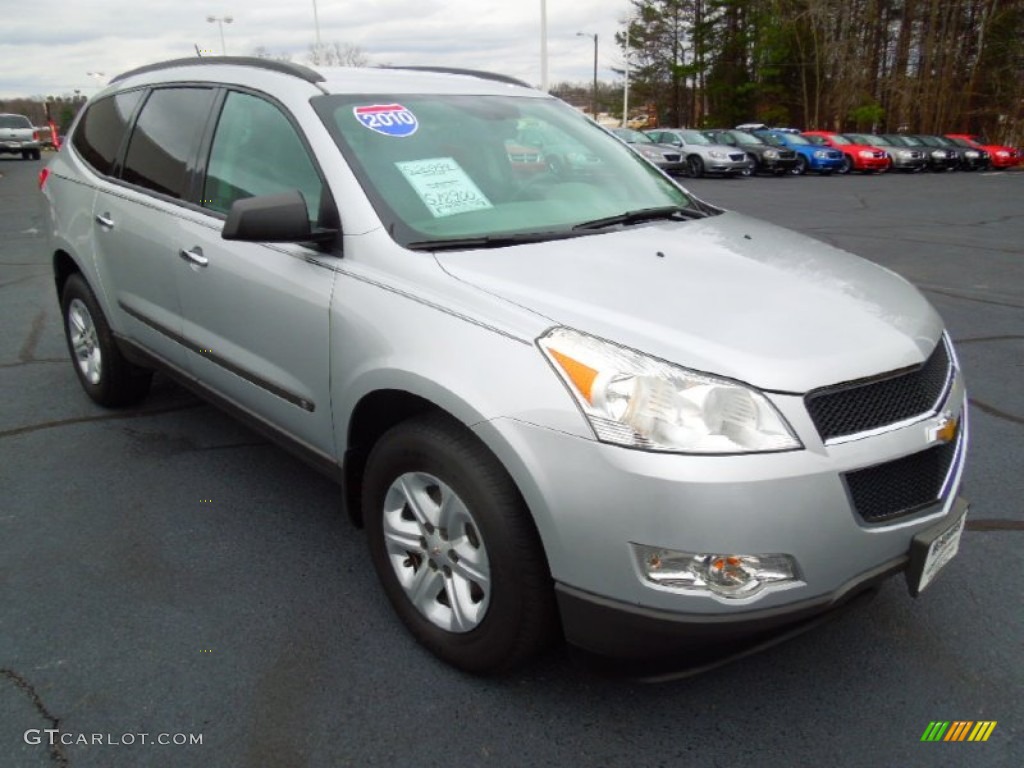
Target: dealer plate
[[931, 551]]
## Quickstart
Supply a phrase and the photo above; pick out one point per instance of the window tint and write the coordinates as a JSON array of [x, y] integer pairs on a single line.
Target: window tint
[[256, 151], [14, 121], [102, 127], [165, 139]]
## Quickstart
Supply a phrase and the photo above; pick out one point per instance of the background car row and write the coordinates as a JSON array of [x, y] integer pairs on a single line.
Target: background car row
[[777, 151]]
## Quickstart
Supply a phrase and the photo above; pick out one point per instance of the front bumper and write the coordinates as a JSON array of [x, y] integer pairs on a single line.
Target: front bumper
[[824, 163], [725, 166], [593, 502], [777, 164], [671, 166], [909, 163], [871, 163], [613, 629]]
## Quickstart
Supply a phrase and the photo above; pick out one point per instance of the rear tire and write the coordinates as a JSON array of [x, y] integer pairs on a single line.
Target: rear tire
[[455, 547], [105, 375]]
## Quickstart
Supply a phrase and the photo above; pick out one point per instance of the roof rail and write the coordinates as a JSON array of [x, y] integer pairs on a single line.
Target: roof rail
[[470, 72], [284, 67]]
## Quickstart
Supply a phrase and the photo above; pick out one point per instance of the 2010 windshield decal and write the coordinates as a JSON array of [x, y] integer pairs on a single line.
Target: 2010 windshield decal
[[388, 119]]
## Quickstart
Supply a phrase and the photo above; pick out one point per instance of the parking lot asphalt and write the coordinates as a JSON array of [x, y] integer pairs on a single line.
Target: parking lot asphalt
[[163, 570]]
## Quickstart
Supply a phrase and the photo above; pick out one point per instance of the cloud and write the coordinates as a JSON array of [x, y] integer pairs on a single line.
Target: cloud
[[44, 54]]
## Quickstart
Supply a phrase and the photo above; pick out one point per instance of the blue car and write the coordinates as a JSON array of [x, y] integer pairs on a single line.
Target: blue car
[[809, 157]]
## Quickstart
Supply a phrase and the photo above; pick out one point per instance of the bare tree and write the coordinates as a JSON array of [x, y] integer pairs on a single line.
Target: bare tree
[[337, 54]]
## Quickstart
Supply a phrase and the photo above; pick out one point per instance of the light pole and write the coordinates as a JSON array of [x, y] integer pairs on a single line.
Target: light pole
[[544, 45], [221, 21], [593, 105], [316, 21], [625, 90]]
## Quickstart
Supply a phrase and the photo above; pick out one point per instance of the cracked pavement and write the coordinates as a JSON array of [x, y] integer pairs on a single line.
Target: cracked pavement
[[164, 569]]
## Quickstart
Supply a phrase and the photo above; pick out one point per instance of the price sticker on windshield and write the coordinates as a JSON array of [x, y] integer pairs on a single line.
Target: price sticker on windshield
[[443, 186], [388, 119]]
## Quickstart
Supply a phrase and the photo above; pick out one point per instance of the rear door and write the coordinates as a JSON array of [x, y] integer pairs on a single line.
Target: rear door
[[256, 314], [136, 220]]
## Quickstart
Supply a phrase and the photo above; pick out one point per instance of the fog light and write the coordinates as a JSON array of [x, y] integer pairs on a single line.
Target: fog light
[[726, 575]]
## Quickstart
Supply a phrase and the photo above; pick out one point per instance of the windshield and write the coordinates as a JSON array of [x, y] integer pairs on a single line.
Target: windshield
[[630, 136], [796, 138], [451, 167], [14, 121], [840, 140], [771, 138], [962, 143], [866, 139], [694, 137], [744, 138]]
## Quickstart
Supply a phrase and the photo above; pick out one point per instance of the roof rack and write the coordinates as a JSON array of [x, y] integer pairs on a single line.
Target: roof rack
[[284, 67], [470, 72]]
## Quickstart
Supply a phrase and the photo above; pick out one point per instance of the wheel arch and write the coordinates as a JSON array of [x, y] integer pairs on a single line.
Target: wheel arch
[[64, 266]]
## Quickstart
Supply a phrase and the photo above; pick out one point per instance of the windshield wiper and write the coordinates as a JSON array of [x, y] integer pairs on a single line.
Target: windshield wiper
[[641, 215], [488, 241]]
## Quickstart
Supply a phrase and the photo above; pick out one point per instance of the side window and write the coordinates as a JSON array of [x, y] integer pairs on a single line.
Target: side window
[[102, 128], [256, 151], [165, 139]]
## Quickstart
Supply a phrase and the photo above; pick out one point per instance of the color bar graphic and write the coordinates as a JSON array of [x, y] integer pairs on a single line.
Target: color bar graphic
[[958, 730]]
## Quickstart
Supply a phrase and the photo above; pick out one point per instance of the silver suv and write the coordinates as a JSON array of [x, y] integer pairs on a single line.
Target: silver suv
[[569, 400]]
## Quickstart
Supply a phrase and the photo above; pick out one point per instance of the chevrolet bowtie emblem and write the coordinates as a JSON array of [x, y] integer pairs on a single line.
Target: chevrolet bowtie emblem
[[945, 430]]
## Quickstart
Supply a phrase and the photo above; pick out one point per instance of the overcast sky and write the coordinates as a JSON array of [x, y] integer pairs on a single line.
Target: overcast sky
[[49, 48]]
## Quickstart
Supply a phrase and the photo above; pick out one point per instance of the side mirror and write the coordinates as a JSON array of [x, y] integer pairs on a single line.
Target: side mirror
[[279, 218]]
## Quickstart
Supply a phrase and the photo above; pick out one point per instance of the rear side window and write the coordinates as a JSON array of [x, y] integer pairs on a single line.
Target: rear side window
[[14, 121], [165, 139], [102, 128], [257, 151]]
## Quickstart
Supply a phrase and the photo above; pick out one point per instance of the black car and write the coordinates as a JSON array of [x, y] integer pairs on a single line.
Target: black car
[[940, 158], [769, 154], [968, 158]]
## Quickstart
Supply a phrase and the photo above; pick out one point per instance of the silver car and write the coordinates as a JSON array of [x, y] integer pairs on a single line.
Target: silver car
[[701, 154], [562, 403]]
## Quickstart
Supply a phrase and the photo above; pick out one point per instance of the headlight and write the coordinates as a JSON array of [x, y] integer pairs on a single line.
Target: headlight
[[771, 153], [821, 154], [638, 401], [905, 154], [717, 155], [971, 154], [1002, 153], [651, 153], [938, 154], [866, 153]]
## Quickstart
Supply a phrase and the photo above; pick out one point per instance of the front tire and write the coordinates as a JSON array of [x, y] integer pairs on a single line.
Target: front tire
[[695, 166], [105, 375], [847, 165], [455, 548], [801, 166]]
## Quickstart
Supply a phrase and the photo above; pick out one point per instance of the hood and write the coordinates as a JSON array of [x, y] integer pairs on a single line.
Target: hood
[[728, 295]]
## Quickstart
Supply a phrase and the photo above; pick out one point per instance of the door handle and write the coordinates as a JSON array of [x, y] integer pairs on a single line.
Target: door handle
[[194, 256], [104, 220]]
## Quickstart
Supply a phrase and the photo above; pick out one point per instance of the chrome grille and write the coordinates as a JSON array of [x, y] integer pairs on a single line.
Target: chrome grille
[[859, 406]]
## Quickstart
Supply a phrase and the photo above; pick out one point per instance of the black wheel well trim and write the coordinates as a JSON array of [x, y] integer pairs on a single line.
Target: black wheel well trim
[[64, 266]]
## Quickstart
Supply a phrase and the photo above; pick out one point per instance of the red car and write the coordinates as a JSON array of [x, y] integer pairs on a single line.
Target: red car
[[1002, 156], [858, 157]]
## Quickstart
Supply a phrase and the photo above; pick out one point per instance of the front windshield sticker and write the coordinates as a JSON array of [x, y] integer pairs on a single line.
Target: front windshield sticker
[[388, 119], [443, 186]]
